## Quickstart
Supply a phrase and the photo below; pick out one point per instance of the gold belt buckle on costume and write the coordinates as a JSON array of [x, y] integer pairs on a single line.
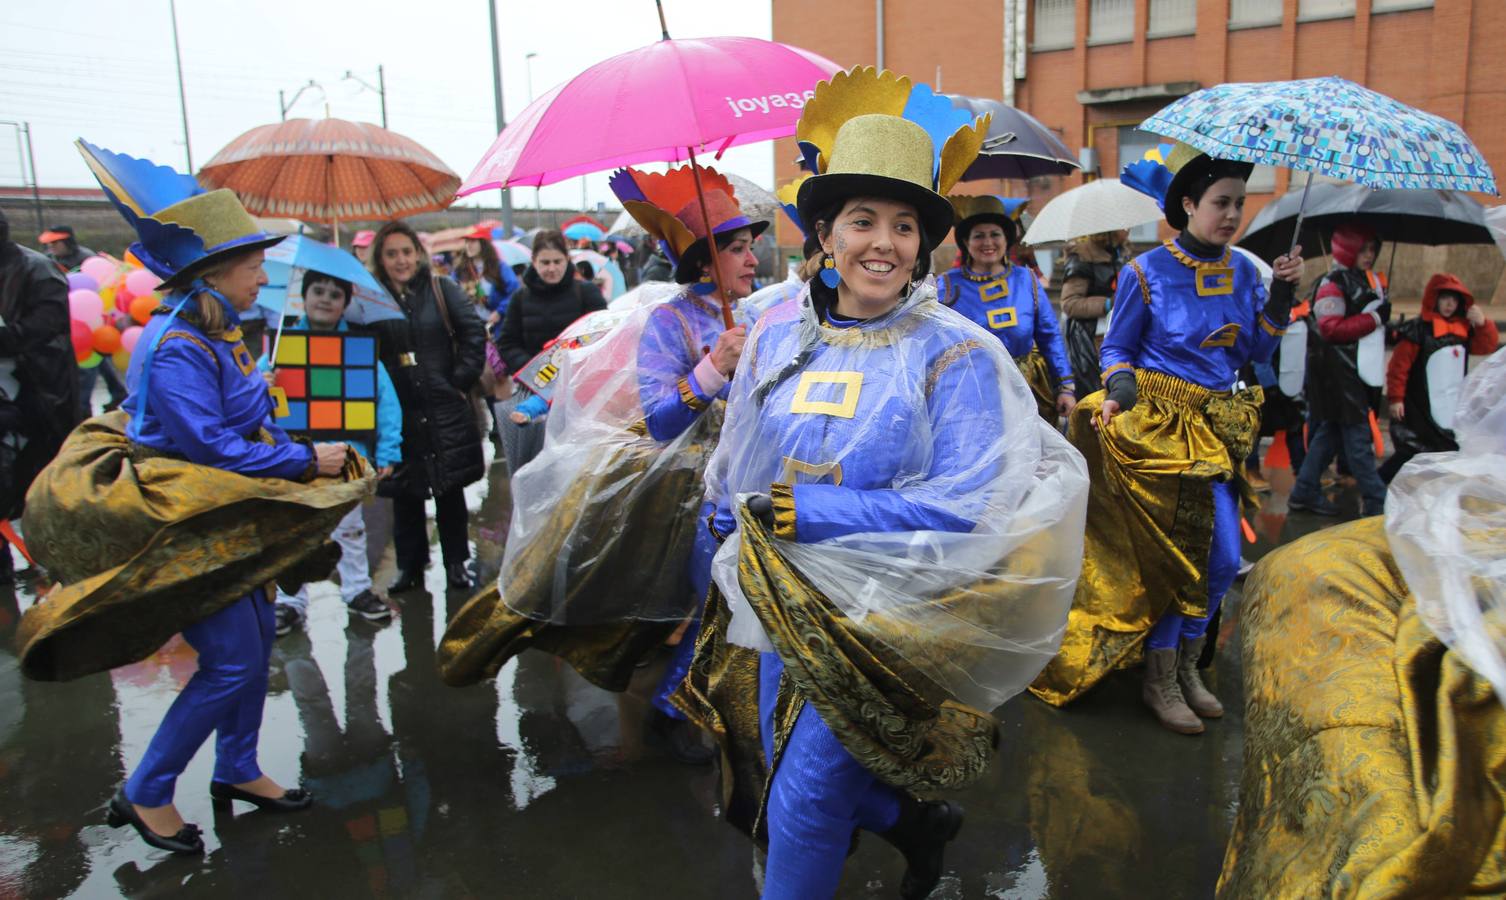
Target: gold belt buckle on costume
[[793, 467]]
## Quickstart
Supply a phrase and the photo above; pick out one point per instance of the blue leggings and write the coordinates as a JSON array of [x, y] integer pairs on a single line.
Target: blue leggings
[[819, 796], [1223, 565], [226, 695]]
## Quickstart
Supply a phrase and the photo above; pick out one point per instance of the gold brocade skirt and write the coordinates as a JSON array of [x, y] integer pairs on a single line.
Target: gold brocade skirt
[[1038, 375], [1375, 759], [1150, 520], [895, 722], [144, 544], [605, 581]]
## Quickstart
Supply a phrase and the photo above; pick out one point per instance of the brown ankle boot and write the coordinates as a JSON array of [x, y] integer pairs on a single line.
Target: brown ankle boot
[[1197, 695], [1162, 694]]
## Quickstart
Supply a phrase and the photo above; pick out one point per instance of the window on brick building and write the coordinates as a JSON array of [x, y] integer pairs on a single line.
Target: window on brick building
[[1055, 24], [1324, 9], [1383, 6], [1262, 180], [1254, 13], [1172, 17], [1111, 21]]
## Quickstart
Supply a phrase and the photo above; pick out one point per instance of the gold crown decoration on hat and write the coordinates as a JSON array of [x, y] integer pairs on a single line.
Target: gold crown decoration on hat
[[667, 207], [840, 130], [967, 205]]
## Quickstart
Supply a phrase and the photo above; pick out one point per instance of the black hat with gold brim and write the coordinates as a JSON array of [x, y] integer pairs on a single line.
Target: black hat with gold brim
[[1188, 165], [182, 230], [874, 134], [971, 211]]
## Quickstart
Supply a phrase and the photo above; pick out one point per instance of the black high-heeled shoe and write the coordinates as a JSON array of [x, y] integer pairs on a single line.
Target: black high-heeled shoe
[[186, 842], [291, 800]]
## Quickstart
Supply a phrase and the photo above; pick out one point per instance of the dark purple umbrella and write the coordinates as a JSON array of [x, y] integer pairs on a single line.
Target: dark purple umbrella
[[1017, 145]]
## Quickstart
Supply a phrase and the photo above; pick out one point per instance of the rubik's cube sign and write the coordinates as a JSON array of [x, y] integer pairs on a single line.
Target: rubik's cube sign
[[328, 384]]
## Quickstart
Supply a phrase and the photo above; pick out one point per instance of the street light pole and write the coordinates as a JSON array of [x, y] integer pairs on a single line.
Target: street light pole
[[538, 205], [382, 92], [491, 8], [381, 88], [172, 8]]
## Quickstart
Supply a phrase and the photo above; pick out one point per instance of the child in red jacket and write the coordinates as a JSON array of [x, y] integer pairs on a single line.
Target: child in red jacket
[[1427, 367]]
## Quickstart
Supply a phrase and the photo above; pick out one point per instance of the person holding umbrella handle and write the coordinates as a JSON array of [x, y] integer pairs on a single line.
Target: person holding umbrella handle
[[1165, 443]]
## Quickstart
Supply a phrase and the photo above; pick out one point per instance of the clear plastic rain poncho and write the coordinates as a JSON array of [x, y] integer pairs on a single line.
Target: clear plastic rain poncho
[[931, 505], [1446, 522], [604, 517]]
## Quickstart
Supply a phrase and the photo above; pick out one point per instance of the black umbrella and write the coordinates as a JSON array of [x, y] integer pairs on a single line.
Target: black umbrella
[[1017, 144], [1398, 216]]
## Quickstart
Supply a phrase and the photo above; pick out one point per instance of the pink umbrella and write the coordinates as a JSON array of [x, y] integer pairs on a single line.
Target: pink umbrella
[[659, 103]]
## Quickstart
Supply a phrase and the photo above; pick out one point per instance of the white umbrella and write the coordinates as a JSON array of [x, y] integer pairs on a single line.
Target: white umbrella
[[1098, 206]]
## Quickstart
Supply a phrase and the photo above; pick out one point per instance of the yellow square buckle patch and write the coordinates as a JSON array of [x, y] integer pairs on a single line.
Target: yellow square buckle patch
[[1003, 317], [243, 359], [1213, 281], [997, 289], [843, 408]]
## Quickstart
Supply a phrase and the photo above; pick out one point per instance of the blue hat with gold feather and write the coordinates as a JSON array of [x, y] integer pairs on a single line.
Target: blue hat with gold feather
[[871, 133], [181, 229]]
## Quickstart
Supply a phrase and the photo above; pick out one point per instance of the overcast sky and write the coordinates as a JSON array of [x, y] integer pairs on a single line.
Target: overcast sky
[[103, 70]]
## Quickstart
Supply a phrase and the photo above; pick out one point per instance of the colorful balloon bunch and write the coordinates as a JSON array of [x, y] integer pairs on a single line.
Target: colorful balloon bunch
[[108, 302]]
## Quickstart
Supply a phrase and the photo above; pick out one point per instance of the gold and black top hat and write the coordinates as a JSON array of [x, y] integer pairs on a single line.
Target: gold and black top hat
[[1188, 165], [181, 229], [871, 133], [971, 210]]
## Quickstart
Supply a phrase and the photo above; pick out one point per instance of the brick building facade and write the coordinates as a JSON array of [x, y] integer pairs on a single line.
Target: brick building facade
[[1092, 69]]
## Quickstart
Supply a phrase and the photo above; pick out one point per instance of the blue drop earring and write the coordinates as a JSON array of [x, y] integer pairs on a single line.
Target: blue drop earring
[[704, 286], [829, 275]]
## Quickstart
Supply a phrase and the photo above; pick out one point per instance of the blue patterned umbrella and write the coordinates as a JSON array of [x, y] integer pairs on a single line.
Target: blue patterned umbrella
[[1331, 126]]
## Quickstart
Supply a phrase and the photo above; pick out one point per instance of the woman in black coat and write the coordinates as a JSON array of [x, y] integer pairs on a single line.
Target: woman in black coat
[[434, 356], [549, 300]]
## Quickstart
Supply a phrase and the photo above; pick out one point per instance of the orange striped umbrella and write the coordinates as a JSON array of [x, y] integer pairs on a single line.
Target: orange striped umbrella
[[323, 170]]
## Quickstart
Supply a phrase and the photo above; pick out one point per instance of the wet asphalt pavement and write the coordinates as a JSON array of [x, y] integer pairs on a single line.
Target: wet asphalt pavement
[[540, 785]]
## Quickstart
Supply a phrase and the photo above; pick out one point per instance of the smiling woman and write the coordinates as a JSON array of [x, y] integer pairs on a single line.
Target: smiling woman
[[877, 451]]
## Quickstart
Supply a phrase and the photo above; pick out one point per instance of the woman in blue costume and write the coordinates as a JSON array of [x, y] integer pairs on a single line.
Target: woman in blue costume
[[878, 451], [195, 398], [686, 357], [1008, 300], [1166, 441], [613, 501]]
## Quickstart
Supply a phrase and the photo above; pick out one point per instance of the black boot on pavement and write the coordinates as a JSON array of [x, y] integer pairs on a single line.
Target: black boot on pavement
[[922, 832], [407, 580]]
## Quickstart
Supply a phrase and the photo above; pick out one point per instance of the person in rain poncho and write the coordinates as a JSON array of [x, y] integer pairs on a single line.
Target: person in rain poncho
[[1008, 300], [1375, 678], [901, 530], [1166, 444], [631, 425]]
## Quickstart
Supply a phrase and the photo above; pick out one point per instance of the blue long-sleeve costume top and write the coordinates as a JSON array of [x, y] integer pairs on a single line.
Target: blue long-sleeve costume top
[[1013, 307], [877, 431], [389, 412], [1161, 321], [677, 335], [206, 402]]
